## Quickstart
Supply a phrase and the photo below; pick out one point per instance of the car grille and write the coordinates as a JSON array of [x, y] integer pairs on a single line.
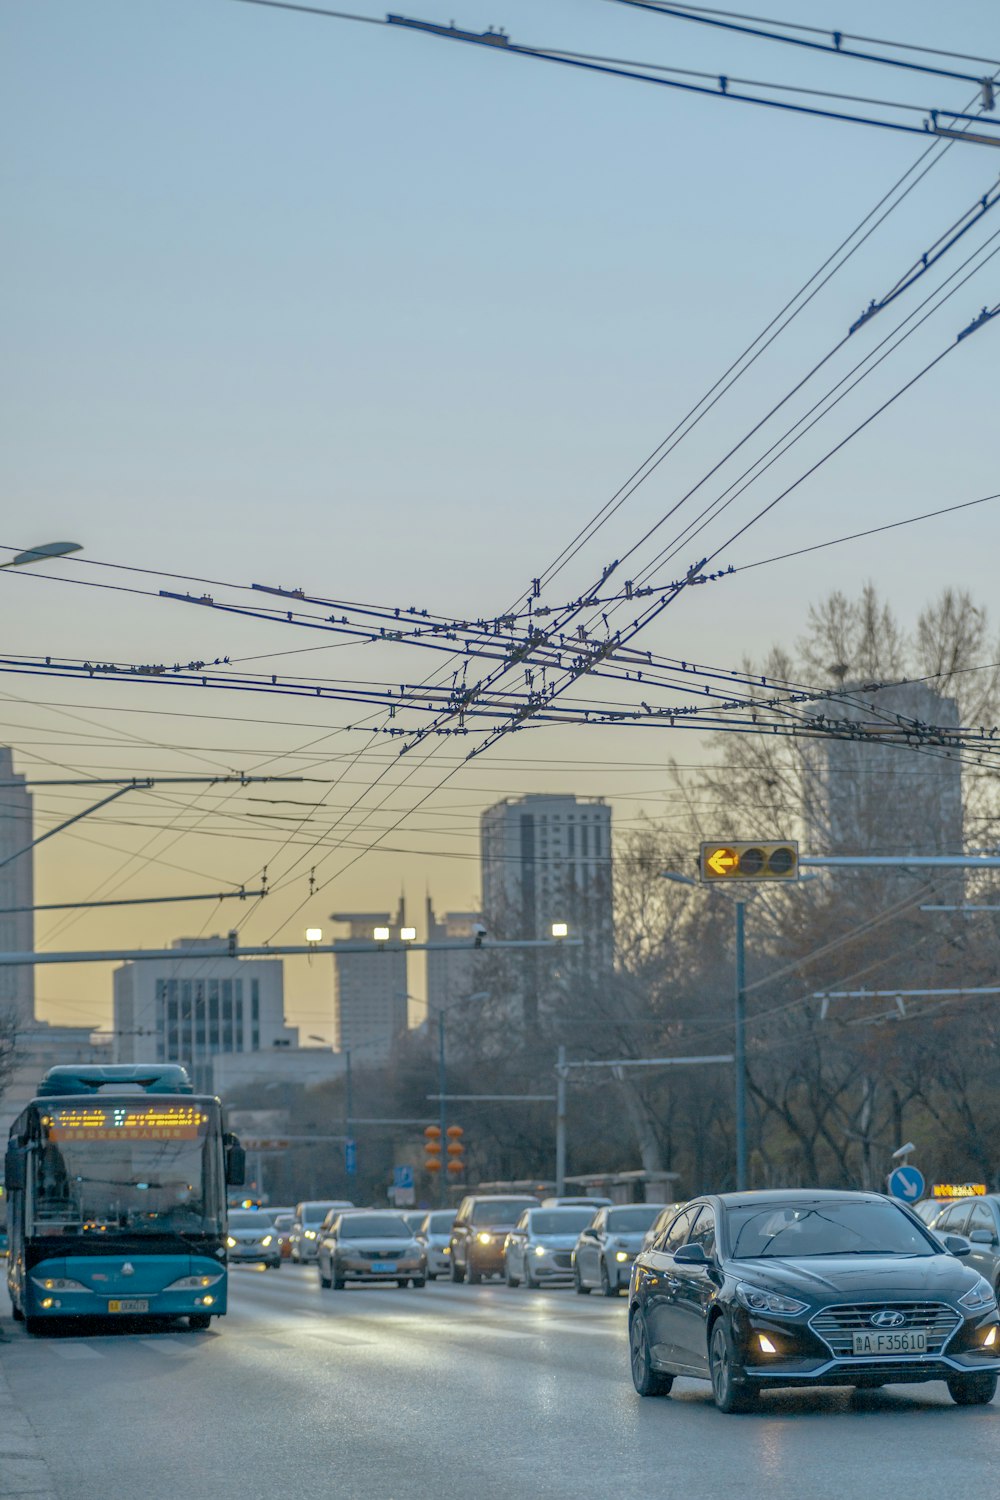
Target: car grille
[[837, 1325], [563, 1259]]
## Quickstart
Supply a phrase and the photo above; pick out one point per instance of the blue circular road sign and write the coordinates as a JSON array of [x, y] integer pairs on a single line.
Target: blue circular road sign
[[907, 1184]]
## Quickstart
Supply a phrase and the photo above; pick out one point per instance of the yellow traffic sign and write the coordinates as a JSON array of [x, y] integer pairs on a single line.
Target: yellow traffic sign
[[750, 860]]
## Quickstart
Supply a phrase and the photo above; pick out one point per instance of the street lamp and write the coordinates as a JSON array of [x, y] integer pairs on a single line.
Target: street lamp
[[380, 934], [314, 934], [39, 554], [560, 929], [407, 934]]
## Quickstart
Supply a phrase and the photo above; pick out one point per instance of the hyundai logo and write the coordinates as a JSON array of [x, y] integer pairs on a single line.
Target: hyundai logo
[[887, 1319]]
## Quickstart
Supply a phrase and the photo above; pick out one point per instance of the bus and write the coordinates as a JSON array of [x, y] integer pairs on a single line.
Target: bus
[[116, 1183]]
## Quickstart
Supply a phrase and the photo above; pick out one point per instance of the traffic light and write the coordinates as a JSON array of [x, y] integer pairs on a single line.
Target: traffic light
[[750, 861], [456, 1151], [432, 1149]]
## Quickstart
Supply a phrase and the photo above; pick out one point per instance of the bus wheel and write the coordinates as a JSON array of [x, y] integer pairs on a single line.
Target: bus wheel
[[199, 1321], [34, 1326]]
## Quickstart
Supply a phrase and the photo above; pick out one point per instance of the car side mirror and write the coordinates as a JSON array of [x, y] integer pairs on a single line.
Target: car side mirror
[[13, 1169], [957, 1244], [691, 1255], [983, 1237]]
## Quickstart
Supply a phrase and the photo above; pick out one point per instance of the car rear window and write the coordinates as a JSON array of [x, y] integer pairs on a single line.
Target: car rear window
[[560, 1220], [632, 1220], [374, 1226]]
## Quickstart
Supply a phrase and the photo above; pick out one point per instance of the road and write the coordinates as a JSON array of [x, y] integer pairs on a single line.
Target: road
[[381, 1394]]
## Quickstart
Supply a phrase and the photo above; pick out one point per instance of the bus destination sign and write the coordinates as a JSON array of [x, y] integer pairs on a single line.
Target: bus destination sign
[[126, 1122]]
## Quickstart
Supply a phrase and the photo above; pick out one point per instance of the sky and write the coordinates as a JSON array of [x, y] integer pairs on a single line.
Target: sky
[[342, 307]]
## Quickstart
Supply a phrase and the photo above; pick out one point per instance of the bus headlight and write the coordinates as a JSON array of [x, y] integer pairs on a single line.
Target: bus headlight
[[59, 1284], [192, 1283]]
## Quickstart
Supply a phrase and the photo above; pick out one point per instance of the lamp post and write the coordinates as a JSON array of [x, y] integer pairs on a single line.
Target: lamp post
[[42, 553]]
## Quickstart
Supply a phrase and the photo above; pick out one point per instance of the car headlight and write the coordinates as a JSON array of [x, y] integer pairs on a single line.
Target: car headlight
[[59, 1284], [310, 1234], [230, 1242], [758, 1299], [445, 1249], [539, 1249], [977, 1299], [484, 1238], [267, 1239], [192, 1283], [621, 1255]]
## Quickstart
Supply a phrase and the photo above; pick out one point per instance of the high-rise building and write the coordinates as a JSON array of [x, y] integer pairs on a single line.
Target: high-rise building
[[17, 888], [452, 973], [192, 1010], [370, 989], [862, 797], [547, 859]]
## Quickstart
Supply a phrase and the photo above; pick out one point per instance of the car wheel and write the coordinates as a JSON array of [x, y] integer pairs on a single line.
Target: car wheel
[[419, 1281], [457, 1272], [973, 1390], [336, 1281], [509, 1276], [324, 1281], [529, 1280], [198, 1322], [580, 1289], [731, 1395], [647, 1381], [608, 1288], [474, 1276], [432, 1276], [16, 1313]]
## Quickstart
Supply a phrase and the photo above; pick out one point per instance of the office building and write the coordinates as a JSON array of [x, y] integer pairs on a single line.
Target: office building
[[17, 891], [862, 797], [370, 989], [192, 1010], [547, 859], [452, 973]]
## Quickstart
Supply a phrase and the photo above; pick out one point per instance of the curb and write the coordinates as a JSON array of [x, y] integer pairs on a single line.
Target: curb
[[24, 1474]]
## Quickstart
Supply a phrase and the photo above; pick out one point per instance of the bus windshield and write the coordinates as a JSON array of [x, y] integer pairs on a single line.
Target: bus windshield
[[132, 1165]]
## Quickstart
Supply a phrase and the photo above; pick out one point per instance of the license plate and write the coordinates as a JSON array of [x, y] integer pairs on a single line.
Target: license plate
[[913, 1341], [134, 1306], [383, 1265]]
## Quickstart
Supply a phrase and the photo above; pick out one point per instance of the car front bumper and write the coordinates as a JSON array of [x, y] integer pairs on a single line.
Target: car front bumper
[[362, 1270]]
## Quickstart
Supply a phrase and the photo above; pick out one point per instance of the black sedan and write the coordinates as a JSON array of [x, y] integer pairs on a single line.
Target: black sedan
[[809, 1288]]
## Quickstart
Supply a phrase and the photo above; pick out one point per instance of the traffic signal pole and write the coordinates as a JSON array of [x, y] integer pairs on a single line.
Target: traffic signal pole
[[740, 1049], [443, 1111]]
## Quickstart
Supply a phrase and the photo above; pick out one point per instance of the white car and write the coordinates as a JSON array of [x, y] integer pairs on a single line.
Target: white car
[[540, 1246], [309, 1217], [435, 1236], [606, 1249]]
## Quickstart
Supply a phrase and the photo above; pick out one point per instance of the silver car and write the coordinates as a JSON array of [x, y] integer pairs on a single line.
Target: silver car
[[377, 1246], [606, 1249], [309, 1217], [251, 1238], [540, 1246], [435, 1236], [978, 1219]]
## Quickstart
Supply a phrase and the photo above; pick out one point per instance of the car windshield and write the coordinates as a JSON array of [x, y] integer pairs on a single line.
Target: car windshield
[[374, 1226], [284, 1221], [133, 1166], [560, 1220], [438, 1223], [792, 1230], [315, 1213], [632, 1220], [502, 1212], [247, 1219]]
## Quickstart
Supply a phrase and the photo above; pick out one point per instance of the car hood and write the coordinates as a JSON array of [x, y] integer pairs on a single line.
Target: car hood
[[554, 1241], [859, 1276], [626, 1241], [383, 1246], [249, 1236]]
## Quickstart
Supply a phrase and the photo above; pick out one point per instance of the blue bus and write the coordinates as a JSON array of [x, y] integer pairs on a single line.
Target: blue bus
[[116, 1198]]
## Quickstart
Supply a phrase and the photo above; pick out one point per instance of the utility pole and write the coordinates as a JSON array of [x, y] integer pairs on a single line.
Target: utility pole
[[443, 1112], [740, 1050], [561, 1071]]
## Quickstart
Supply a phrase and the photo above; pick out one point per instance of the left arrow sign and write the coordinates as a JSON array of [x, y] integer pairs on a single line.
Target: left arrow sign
[[721, 861]]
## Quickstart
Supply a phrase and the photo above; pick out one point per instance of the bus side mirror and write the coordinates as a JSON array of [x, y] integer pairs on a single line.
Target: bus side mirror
[[236, 1165], [13, 1169]]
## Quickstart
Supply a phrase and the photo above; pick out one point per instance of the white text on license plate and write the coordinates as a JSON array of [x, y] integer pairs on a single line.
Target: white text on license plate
[[383, 1265], [913, 1341], [134, 1306]]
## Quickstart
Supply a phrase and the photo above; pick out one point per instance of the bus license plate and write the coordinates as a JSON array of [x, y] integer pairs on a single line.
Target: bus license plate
[[913, 1341], [384, 1265], [134, 1306]]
